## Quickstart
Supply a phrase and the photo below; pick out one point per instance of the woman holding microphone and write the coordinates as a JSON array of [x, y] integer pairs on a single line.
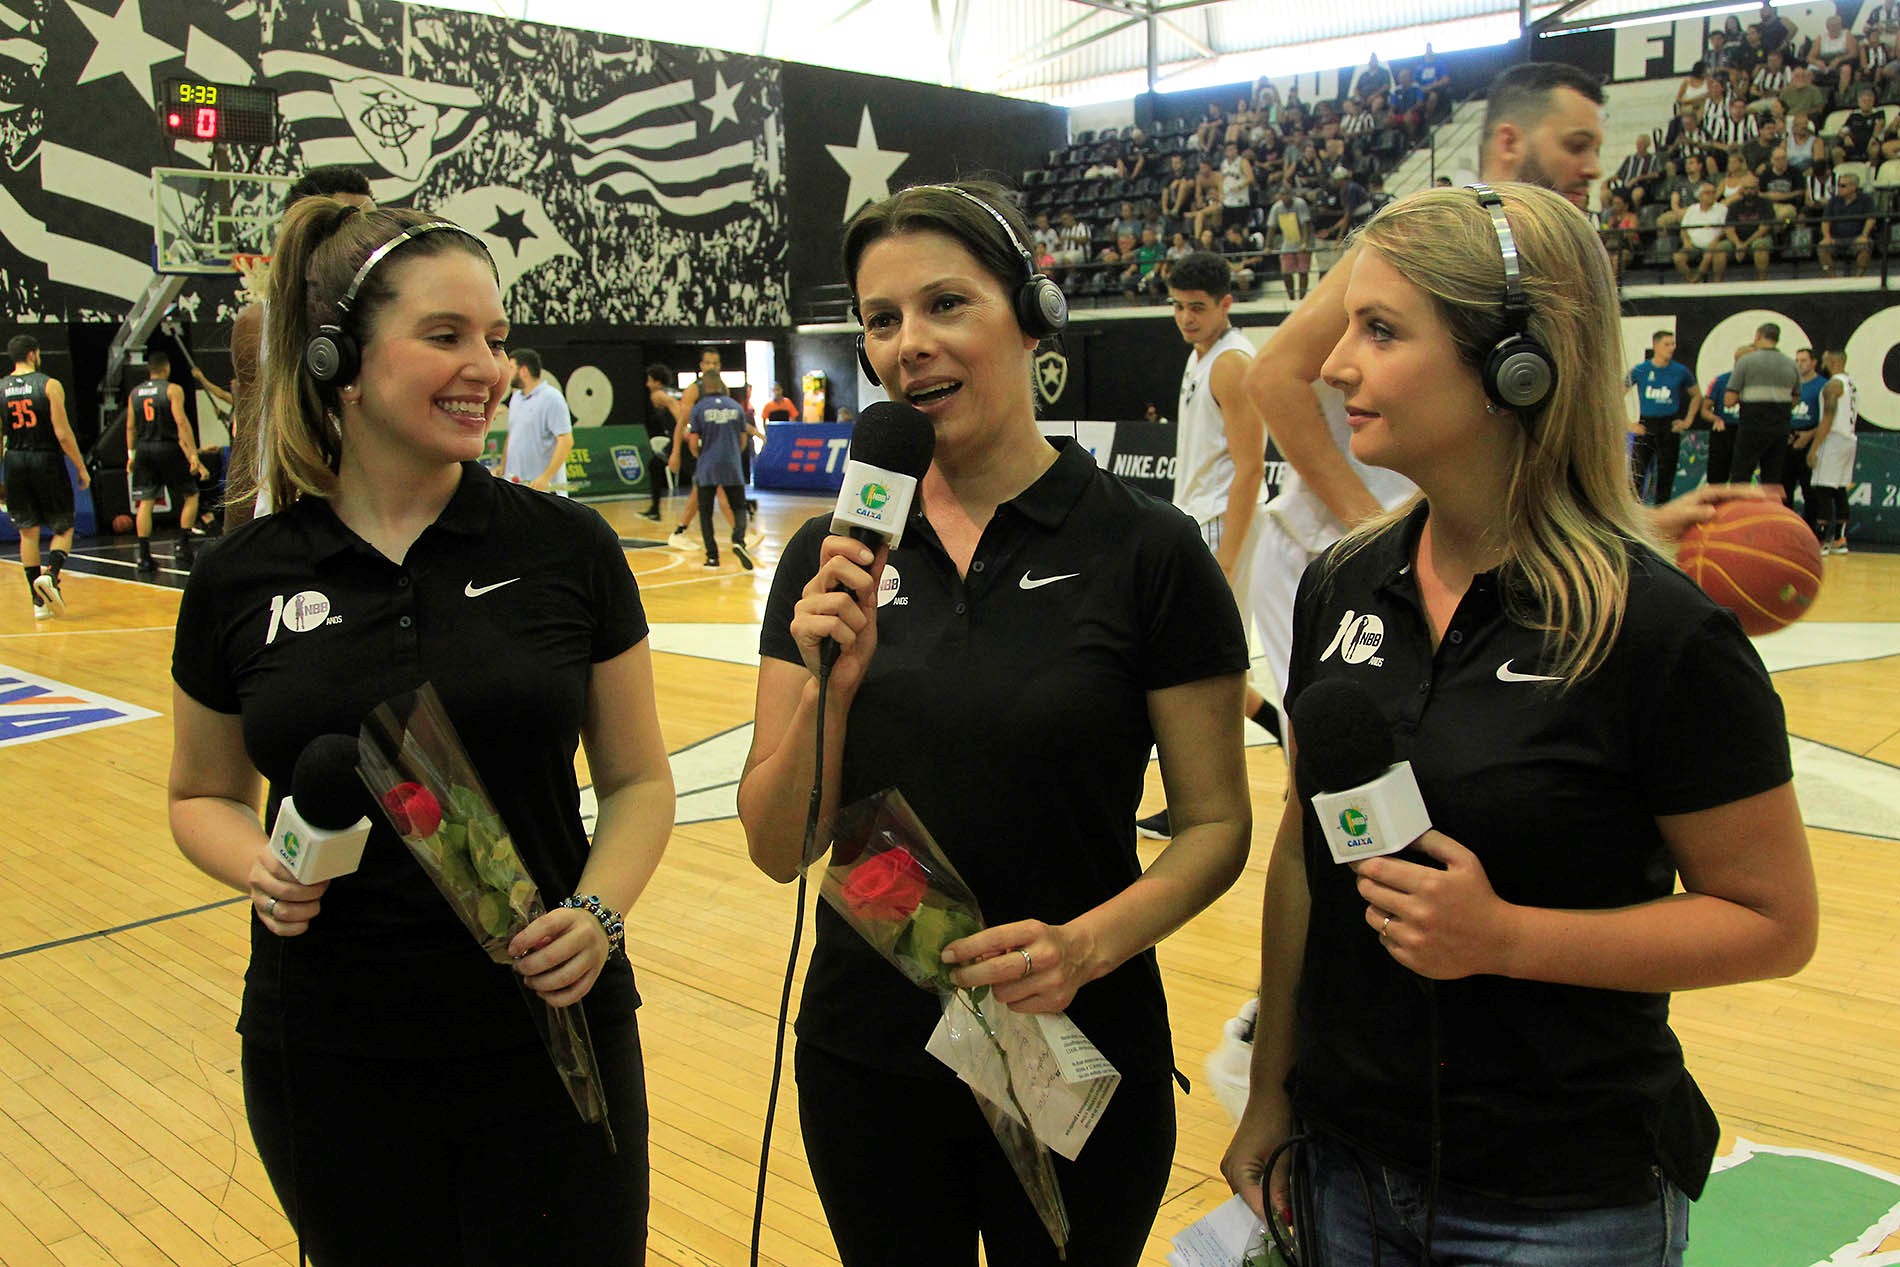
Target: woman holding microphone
[[1008, 668], [1472, 1037]]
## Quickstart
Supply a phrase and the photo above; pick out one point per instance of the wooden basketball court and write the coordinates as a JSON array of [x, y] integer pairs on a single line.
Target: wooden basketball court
[[122, 1133]]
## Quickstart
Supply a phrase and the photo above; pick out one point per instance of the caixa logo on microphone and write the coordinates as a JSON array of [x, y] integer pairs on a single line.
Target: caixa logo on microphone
[[1357, 639], [873, 496], [1353, 821], [292, 846]]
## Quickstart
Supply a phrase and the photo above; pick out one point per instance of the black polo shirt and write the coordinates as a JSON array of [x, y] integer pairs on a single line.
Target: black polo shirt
[[505, 603], [1010, 707], [1553, 1095]]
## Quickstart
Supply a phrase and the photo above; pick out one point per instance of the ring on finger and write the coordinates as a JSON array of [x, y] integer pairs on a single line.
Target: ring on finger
[[1384, 926], [1029, 965], [270, 908]]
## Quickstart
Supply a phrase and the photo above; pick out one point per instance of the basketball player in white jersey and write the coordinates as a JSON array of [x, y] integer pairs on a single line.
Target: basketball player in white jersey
[[1831, 456], [1220, 454]]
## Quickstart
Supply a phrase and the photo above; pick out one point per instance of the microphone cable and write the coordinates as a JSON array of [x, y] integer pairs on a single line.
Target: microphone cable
[[805, 857]]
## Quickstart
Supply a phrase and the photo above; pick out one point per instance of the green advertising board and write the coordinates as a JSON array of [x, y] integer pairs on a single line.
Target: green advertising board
[[604, 462], [1873, 503]]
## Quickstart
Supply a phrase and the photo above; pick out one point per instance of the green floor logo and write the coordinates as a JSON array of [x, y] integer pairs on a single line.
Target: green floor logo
[[1782, 1207]]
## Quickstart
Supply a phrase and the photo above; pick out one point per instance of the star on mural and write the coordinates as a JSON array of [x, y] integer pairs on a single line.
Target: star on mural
[[723, 102], [121, 46], [869, 167], [513, 226]]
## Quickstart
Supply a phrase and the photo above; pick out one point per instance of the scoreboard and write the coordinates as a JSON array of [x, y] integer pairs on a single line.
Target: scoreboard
[[233, 114]]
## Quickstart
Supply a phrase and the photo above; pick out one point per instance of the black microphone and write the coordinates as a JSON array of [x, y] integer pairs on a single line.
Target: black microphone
[[324, 823], [891, 446], [1368, 804]]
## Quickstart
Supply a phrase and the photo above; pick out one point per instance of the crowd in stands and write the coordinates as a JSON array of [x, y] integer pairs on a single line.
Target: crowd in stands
[[1775, 150], [1263, 183]]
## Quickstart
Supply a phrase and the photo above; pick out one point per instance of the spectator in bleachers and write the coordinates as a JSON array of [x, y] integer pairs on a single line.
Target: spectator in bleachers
[[1821, 186], [1876, 56], [1685, 136], [1151, 257], [1177, 195], [1358, 122], [1734, 176], [1618, 226], [1717, 54], [1782, 185], [1640, 167], [1750, 226], [1043, 237], [1266, 99], [1847, 219], [1803, 145], [1408, 102], [1245, 255], [1773, 31], [1236, 185], [1353, 202], [1771, 78], [1758, 149], [1695, 86], [1749, 53], [1835, 56], [1140, 156], [1702, 240], [1072, 238], [1801, 96], [1290, 232], [1735, 127], [1861, 134], [1372, 78], [1179, 246], [1885, 13], [1309, 173], [1205, 212], [1681, 191], [1128, 221], [1213, 130]]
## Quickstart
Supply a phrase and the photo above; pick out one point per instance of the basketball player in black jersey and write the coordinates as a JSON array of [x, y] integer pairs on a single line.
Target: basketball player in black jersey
[[39, 493], [160, 454]]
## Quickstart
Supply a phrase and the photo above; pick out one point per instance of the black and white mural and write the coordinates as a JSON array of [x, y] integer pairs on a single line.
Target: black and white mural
[[617, 180], [858, 138]]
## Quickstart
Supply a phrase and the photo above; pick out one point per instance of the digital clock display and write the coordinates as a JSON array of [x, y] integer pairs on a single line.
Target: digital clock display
[[234, 114]]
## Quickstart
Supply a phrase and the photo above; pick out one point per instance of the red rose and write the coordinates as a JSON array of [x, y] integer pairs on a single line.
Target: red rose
[[413, 810], [886, 887]]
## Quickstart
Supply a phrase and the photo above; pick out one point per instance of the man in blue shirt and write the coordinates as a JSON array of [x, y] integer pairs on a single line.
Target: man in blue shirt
[[1802, 421], [1667, 397], [1722, 419], [717, 430], [540, 430]]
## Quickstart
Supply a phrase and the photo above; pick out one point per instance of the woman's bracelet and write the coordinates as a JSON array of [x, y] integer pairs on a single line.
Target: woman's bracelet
[[610, 922]]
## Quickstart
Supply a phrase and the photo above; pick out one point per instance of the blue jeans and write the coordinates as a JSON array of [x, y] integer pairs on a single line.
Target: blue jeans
[[1476, 1231]]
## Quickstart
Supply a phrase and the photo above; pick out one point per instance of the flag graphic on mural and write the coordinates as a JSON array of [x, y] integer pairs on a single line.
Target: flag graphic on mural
[[341, 113], [662, 143], [520, 235]]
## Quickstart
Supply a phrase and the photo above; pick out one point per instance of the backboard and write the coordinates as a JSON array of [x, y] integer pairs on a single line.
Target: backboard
[[206, 222]]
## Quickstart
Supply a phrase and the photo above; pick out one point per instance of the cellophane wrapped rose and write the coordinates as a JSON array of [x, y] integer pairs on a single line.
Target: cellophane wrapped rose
[[414, 764], [889, 880]]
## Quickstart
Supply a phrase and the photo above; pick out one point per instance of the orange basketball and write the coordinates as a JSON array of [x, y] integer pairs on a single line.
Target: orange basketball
[[1756, 558], [122, 524]]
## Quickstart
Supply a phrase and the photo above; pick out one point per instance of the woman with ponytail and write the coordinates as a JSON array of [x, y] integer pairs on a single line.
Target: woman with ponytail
[[398, 1094]]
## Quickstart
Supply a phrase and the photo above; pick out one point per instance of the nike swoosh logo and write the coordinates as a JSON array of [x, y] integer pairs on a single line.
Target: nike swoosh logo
[[1037, 584], [1507, 674], [476, 591]]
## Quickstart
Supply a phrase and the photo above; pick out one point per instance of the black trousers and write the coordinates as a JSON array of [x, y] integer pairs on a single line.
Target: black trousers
[[1759, 449], [735, 500], [1721, 454], [478, 1162], [1796, 474], [910, 1174], [1653, 458]]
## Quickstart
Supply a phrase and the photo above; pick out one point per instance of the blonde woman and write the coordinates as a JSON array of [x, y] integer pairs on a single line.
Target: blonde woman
[[1472, 1036]]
